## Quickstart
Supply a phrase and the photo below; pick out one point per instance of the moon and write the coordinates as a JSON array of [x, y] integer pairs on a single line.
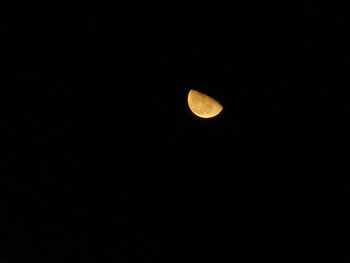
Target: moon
[[202, 105]]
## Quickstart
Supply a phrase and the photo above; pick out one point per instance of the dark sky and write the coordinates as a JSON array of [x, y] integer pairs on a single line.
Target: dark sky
[[104, 161]]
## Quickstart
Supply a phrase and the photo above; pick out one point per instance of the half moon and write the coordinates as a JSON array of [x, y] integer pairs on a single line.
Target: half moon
[[202, 105]]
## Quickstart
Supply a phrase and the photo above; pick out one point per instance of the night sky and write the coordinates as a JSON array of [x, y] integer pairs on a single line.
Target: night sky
[[104, 162]]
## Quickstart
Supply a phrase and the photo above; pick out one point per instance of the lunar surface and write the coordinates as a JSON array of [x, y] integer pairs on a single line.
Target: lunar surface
[[202, 105]]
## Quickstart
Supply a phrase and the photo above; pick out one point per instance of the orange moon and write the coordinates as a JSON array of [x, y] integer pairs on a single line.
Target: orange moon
[[202, 105]]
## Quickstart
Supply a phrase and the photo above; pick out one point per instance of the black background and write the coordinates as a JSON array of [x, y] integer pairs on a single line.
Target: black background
[[103, 160]]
